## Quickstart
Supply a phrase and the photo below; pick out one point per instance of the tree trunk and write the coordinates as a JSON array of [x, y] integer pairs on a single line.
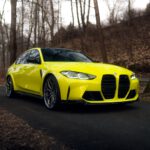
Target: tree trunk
[[3, 38], [82, 10], [43, 25], [88, 14], [22, 38], [72, 12], [77, 10], [130, 53], [30, 25], [53, 19], [35, 24], [100, 32], [13, 32], [79, 24]]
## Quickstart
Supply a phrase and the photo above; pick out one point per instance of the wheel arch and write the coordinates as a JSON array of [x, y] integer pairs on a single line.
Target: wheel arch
[[44, 80]]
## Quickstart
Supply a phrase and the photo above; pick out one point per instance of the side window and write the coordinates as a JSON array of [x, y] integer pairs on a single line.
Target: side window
[[23, 58], [34, 54]]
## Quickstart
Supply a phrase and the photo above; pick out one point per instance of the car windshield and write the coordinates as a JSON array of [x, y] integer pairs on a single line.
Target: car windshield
[[63, 55]]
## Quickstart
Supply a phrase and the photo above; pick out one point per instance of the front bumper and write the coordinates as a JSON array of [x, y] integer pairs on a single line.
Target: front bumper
[[75, 90], [84, 102]]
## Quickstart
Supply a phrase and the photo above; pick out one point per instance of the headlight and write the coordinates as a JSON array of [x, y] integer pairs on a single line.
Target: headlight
[[78, 75], [133, 76]]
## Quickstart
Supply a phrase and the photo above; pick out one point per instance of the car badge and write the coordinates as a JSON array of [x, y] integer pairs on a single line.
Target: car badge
[[115, 74]]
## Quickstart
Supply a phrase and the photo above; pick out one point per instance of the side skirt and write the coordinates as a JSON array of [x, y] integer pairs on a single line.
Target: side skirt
[[29, 94]]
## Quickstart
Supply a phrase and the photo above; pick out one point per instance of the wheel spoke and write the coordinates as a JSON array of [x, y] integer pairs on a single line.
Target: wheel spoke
[[50, 93]]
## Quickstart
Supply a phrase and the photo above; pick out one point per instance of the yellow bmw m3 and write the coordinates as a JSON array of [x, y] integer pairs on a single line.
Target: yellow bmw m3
[[62, 75]]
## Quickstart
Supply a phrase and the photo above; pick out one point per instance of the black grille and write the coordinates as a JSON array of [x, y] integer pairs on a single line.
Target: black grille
[[108, 86], [124, 85], [131, 94], [92, 95]]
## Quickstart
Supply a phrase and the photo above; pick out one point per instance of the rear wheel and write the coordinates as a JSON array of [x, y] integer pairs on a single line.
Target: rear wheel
[[51, 92], [10, 87]]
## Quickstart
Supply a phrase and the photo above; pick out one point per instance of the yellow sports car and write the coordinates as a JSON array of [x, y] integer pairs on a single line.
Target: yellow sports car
[[62, 75]]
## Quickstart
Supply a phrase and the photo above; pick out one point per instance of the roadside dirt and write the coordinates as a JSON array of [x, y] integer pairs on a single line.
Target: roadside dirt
[[16, 134]]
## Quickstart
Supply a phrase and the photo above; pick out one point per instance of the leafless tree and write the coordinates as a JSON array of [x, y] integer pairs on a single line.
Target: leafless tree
[[72, 11], [13, 42], [35, 22], [22, 28], [30, 18], [88, 12], [52, 19], [130, 25], [2, 36], [113, 8], [100, 32]]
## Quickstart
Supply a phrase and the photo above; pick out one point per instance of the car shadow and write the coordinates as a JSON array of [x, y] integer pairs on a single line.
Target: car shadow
[[79, 107], [31, 99]]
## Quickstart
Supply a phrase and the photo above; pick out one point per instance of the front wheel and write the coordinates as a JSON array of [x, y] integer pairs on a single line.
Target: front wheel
[[51, 92]]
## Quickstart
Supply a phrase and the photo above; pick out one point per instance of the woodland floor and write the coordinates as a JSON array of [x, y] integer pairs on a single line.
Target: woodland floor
[[16, 134]]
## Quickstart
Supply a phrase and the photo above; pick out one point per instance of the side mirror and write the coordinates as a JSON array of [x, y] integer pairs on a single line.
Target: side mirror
[[34, 60]]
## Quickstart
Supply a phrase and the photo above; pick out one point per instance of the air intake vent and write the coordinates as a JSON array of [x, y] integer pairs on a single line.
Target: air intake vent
[[131, 94], [124, 85], [108, 86], [92, 95]]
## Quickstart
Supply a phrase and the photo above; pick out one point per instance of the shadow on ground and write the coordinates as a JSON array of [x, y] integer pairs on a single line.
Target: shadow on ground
[[79, 107]]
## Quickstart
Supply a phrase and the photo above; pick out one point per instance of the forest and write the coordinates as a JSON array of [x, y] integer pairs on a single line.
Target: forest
[[123, 39]]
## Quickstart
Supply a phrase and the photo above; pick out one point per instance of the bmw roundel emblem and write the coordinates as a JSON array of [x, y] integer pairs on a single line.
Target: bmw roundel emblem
[[115, 74]]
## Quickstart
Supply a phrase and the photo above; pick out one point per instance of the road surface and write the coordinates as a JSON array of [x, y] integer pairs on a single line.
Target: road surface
[[87, 127]]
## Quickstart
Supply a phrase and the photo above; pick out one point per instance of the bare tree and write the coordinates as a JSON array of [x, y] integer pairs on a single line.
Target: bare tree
[[30, 25], [88, 12], [52, 19], [79, 24], [100, 32], [13, 31], [2, 36], [82, 13], [72, 12], [113, 7], [35, 22], [22, 28], [77, 10], [43, 25], [130, 25]]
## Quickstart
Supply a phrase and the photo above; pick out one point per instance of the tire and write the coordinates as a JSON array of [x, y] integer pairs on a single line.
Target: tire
[[51, 92], [10, 88]]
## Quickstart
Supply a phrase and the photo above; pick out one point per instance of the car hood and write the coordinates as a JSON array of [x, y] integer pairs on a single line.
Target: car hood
[[86, 67]]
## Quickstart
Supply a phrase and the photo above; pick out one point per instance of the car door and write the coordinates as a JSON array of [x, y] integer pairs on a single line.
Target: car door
[[32, 74], [19, 71]]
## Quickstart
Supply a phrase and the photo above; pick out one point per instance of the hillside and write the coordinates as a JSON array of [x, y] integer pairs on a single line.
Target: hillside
[[120, 39]]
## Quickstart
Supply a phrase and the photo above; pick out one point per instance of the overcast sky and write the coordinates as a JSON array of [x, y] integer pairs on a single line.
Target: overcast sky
[[138, 4], [66, 13]]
